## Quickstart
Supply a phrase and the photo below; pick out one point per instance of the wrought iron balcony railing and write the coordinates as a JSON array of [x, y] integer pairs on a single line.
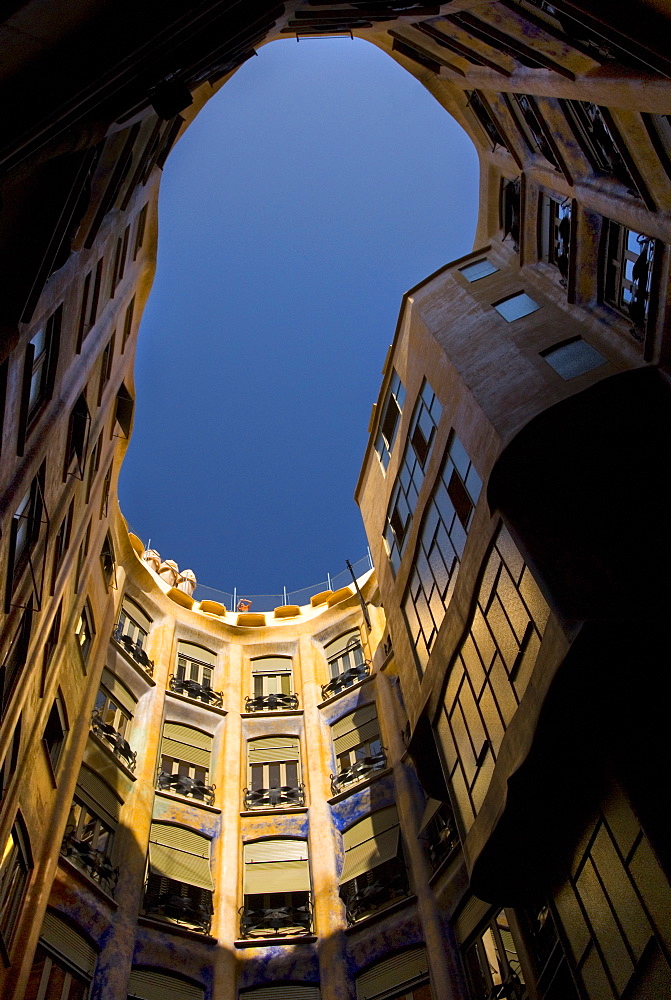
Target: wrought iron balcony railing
[[357, 771], [192, 689], [271, 703], [261, 798], [363, 896], [182, 784], [181, 909], [441, 835], [95, 864], [260, 922], [134, 649], [344, 680], [119, 746]]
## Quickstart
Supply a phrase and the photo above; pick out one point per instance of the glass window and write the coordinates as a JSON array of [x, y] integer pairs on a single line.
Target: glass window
[[478, 269], [492, 963], [55, 732], [573, 358], [50, 978], [14, 868], [111, 713], [390, 419], [88, 829], [516, 306], [84, 632], [555, 233], [628, 273]]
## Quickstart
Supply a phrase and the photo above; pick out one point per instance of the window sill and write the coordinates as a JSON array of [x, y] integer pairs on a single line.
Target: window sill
[[185, 800], [136, 666], [112, 756], [356, 786], [72, 869], [269, 811], [195, 701], [384, 911], [347, 690], [278, 713], [161, 924], [268, 942]]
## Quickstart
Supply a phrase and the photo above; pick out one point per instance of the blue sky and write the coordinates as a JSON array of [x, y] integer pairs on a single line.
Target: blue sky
[[311, 192]]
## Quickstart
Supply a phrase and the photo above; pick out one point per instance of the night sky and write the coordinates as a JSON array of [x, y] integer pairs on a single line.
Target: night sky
[[312, 191]]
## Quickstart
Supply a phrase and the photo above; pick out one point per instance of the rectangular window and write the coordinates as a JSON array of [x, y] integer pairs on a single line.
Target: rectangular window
[[516, 306], [186, 759], [374, 874], [478, 269], [107, 485], [443, 534], [489, 674], [94, 465], [107, 361], [62, 543], [124, 254], [14, 870], [421, 435], [573, 357], [179, 884], [51, 977], [51, 644], [271, 685], [16, 658], [554, 230], [492, 961], [358, 747], [392, 408], [95, 297], [601, 144], [482, 112], [628, 274], [55, 732], [77, 440], [274, 772], [127, 323], [81, 557], [39, 374], [533, 127], [84, 327], [511, 211], [139, 231], [133, 622], [25, 533], [276, 888], [84, 633]]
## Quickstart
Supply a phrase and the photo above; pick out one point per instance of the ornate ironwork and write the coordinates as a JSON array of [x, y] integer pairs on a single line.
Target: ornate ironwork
[[182, 909], [119, 746], [96, 864], [195, 690], [344, 680], [134, 649], [374, 890], [259, 922], [271, 703], [261, 798], [357, 771], [182, 784]]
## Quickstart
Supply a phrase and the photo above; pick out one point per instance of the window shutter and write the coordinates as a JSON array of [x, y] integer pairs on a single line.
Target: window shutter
[[121, 694], [64, 939], [196, 653], [187, 744], [384, 979], [145, 984], [272, 665], [337, 646], [355, 728], [135, 612], [293, 991], [273, 748], [97, 793], [180, 854], [370, 842], [276, 866], [472, 914]]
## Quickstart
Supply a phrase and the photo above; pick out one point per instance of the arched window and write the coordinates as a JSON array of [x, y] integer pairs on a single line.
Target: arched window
[[15, 865], [194, 672], [271, 684], [274, 772], [374, 874], [63, 964], [186, 759], [179, 883], [405, 972], [150, 984], [346, 662], [276, 888], [358, 747]]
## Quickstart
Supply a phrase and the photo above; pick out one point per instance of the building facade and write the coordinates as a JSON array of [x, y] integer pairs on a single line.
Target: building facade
[[452, 785]]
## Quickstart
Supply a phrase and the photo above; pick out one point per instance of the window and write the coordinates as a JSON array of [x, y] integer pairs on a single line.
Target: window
[[148, 984], [78, 438], [114, 704], [628, 274], [16, 657], [133, 622], [492, 963], [179, 884], [51, 977], [108, 562], [106, 367], [15, 866], [127, 323], [358, 747], [390, 419], [62, 543], [119, 260], [489, 674], [373, 874], [83, 328], [274, 772], [81, 557], [443, 534], [4, 373], [478, 269], [600, 141], [139, 232], [404, 975], [186, 757], [533, 127], [123, 411], [271, 684], [105, 497], [95, 297], [84, 632], [483, 113], [194, 672], [39, 374], [51, 644], [55, 731], [511, 211], [555, 233], [10, 763], [346, 663], [94, 465], [89, 840], [516, 306], [573, 357], [276, 888], [25, 531], [425, 420]]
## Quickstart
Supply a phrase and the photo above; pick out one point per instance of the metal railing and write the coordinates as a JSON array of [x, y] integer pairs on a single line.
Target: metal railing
[[182, 909], [271, 703], [182, 784], [95, 863], [262, 798], [358, 771], [346, 679], [292, 920], [363, 896], [192, 689], [119, 746], [133, 649]]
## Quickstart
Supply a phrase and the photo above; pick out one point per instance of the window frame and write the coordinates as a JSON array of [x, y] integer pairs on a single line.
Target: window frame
[[44, 366], [385, 437], [15, 868], [85, 627]]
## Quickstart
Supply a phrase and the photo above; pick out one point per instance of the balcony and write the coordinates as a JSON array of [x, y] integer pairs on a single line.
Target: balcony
[[280, 920], [374, 890], [182, 784], [94, 863], [179, 902], [272, 703], [134, 649], [440, 834], [114, 740], [358, 771], [346, 679], [192, 689], [263, 798]]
